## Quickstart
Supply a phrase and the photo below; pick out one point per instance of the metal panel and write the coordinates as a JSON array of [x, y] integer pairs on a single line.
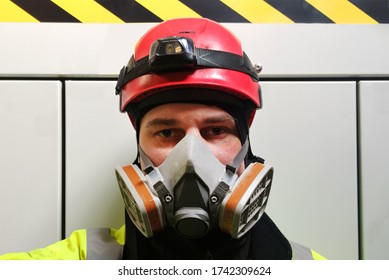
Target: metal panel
[[285, 50], [374, 163], [307, 131], [30, 164], [98, 137]]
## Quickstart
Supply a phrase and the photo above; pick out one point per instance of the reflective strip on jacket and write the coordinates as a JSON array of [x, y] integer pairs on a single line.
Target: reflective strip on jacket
[[107, 244]]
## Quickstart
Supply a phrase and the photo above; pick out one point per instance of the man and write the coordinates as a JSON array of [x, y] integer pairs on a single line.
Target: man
[[195, 191]]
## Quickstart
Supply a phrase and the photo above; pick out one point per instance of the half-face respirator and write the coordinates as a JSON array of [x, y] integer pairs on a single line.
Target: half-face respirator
[[193, 192]]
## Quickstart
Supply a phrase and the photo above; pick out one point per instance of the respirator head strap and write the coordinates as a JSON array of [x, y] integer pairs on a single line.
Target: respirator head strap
[[227, 180], [156, 181], [239, 158]]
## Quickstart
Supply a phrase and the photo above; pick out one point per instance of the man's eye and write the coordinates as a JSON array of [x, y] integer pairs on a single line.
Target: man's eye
[[217, 130], [165, 133]]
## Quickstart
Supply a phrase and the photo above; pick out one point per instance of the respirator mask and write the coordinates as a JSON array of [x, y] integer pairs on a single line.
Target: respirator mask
[[192, 192]]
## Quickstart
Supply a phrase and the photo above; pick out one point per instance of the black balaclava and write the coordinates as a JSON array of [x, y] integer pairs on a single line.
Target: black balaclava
[[167, 243], [240, 110]]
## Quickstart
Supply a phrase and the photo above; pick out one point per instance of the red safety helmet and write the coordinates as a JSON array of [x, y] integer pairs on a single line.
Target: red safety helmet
[[188, 59]]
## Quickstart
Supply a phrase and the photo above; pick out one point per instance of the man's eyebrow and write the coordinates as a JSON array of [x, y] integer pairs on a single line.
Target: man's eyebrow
[[172, 121], [218, 119], [162, 121]]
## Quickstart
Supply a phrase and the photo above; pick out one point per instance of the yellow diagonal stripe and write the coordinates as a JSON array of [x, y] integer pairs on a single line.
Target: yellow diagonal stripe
[[257, 11], [87, 11], [9, 12], [168, 9], [341, 11]]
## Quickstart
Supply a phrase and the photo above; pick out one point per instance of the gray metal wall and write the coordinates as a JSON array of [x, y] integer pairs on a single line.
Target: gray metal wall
[[323, 128]]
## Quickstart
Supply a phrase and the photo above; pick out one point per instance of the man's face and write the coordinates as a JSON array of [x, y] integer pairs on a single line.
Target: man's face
[[164, 126]]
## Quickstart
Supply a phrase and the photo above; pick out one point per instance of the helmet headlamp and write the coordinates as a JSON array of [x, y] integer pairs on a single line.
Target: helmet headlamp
[[179, 53], [172, 53]]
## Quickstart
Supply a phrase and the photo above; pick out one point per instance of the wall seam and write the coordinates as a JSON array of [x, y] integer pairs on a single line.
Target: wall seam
[[63, 163], [359, 170]]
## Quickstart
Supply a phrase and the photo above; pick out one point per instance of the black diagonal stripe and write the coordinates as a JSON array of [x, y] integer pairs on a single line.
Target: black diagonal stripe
[[215, 10], [299, 11], [376, 9], [45, 11], [129, 10]]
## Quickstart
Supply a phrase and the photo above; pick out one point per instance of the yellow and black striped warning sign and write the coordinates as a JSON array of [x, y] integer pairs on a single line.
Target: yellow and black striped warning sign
[[249, 11]]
